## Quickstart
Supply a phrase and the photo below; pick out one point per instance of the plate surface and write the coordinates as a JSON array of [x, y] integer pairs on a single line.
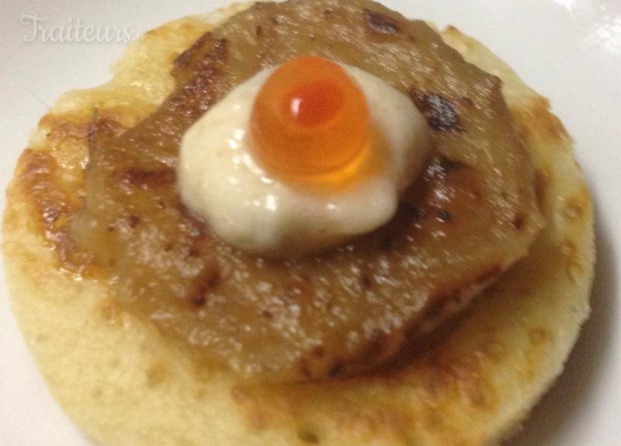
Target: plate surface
[[568, 50]]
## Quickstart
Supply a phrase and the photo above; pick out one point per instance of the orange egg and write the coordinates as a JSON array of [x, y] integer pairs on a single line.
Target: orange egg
[[310, 119]]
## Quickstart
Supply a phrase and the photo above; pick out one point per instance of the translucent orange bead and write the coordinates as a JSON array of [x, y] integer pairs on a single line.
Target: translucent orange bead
[[309, 118]]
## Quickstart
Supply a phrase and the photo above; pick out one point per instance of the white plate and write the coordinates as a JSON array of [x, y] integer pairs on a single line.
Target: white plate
[[568, 50]]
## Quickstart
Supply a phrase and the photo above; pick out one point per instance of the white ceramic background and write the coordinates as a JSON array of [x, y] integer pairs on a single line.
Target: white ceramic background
[[569, 50]]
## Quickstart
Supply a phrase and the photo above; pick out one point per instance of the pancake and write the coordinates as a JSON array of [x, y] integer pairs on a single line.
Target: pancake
[[125, 385]]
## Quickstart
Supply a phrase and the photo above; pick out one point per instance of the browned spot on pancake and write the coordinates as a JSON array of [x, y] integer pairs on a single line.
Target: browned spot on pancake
[[375, 421], [40, 181], [453, 376], [542, 184], [72, 133], [539, 336], [96, 393], [578, 207], [541, 124], [308, 434], [571, 260], [110, 311], [39, 338], [493, 349], [63, 128], [569, 251], [264, 408], [574, 210], [156, 375], [201, 394], [380, 23]]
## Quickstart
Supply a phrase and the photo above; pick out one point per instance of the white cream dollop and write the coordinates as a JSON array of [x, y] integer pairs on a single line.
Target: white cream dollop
[[220, 180]]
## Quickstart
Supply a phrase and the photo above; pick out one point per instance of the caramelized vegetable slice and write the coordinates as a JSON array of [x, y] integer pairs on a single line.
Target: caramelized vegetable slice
[[471, 216]]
